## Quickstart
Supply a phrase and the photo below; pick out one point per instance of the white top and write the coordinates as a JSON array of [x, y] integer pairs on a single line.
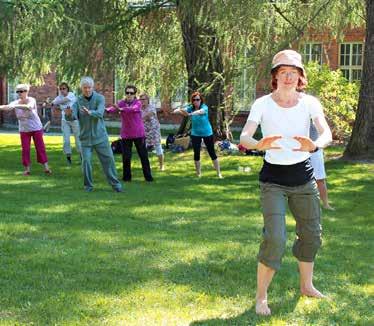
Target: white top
[[28, 119], [63, 105], [287, 122]]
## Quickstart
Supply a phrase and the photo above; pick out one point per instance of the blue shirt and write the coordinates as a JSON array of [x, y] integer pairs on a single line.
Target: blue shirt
[[200, 123]]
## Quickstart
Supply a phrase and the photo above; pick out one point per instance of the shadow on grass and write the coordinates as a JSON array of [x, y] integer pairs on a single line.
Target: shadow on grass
[[61, 247]]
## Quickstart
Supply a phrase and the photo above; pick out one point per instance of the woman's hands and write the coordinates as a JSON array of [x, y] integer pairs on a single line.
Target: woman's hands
[[267, 143], [307, 145], [181, 111], [84, 110]]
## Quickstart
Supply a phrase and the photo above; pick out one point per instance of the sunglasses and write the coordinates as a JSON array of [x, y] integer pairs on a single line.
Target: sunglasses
[[130, 93], [22, 91], [196, 99], [62, 88]]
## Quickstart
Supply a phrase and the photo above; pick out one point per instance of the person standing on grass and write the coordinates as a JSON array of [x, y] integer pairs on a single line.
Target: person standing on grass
[[89, 111], [201, 130], [152, 128], [30, 126], [65, 100], [318, 164], [132, 132], [287, 175]]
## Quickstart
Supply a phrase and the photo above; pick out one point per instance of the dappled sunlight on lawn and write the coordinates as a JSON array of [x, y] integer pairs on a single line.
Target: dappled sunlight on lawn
[[179, 251]]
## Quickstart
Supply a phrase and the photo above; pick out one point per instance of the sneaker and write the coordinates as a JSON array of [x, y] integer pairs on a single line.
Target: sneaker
[[68, 160], [88, 189], [48, 171], [117, 189], [26, 173]]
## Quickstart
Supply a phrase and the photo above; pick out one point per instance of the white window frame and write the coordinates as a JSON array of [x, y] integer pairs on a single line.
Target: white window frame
[[350, 67], [307, 57], [11, 90]]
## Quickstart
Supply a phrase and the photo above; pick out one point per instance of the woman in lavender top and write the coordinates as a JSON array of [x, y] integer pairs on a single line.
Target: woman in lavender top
[[152, 128], [30, 126], [132, 131]]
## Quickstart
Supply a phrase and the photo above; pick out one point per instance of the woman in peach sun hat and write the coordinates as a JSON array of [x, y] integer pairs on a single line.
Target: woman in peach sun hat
[[287, 176]]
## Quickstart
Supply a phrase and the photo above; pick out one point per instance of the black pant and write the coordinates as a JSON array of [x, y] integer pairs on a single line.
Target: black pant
[[143, 154], [196, 145]]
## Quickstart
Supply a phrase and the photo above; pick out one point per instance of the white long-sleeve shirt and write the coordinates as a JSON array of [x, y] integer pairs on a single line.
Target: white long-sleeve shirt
[[59, 100]]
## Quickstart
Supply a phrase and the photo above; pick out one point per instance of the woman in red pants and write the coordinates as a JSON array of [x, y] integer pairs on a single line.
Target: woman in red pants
[[30, 126]]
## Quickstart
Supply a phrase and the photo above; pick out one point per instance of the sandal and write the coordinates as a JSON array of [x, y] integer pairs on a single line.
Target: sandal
[[26, 173], [48, 171]]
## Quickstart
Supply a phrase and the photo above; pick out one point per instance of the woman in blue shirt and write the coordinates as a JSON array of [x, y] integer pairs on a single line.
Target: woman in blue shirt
[[201, 130]]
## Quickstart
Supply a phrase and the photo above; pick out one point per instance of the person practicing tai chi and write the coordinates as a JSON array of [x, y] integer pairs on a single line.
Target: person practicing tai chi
[[30, 126], [69, 125], [132, 131], [89, 111], [286, 176], [201, 130], [318, 163], [152, 128]]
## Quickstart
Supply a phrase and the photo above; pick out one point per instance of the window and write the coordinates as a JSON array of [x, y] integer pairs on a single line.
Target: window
[[245, 84], [11, 90], [351, 60], [312, 52]]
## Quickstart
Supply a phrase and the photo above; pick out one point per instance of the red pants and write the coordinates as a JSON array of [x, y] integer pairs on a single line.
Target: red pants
[[37, 136]]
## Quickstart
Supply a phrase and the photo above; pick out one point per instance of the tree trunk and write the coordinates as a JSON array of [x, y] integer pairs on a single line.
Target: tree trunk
[[203, 57], [361, 143], [2, 97]]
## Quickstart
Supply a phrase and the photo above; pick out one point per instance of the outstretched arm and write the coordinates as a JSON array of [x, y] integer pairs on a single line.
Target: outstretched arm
[[181, 111], [99, 112], [247, 140], [9, 107]]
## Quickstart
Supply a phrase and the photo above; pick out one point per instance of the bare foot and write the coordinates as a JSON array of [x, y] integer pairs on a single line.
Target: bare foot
[[328, 207], [312, 292], [262, 308]]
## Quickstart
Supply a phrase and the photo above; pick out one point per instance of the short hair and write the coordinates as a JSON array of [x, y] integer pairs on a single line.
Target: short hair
[[131, 86], [23, 87], [302, 83], [145, 95], [197, 94], [64, 84], [86, 80]]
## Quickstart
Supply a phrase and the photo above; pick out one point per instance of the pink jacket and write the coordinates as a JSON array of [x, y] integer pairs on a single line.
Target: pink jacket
[[131, 118]]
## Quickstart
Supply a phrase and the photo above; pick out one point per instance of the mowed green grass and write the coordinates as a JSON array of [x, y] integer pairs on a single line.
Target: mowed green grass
[[179, 251]]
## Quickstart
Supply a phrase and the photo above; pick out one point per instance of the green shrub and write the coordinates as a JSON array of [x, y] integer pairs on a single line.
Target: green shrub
[[338, 97]]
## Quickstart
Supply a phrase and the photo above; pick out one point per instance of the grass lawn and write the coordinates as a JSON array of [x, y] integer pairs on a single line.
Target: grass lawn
[[179, 251]]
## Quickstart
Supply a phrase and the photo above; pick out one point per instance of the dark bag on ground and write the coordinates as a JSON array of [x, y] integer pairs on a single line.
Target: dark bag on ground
[[170, 140], [116, 146]]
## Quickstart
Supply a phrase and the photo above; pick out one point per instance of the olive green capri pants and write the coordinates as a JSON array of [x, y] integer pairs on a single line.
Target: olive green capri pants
[[303, 202]]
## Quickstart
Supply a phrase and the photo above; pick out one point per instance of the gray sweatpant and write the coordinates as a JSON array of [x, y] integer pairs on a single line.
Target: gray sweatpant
[[105, 154], [303, 202]]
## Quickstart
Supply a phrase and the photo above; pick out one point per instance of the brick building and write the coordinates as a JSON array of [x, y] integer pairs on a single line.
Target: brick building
[[345, 54]]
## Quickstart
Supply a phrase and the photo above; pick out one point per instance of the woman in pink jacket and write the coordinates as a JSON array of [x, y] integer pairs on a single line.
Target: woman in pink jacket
[[132, 131]]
